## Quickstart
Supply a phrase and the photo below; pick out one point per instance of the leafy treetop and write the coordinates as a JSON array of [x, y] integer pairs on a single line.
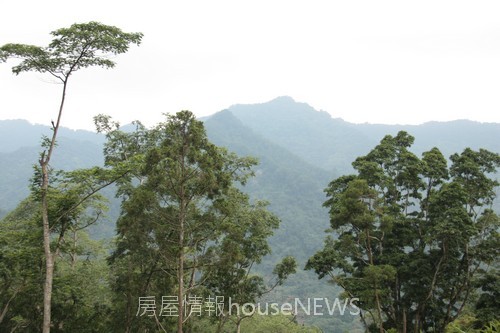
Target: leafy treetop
[[79, 46]]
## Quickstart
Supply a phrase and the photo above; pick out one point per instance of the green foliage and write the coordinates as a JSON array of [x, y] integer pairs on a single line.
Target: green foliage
[[184, 228], [488, 305], [20, 268], [81, 288], [492, 327], [465, 324], [81, 292], [76, 202], [284, 269], [275, 324], [412, 236], [79, 46], [241, 243], [291, 185]]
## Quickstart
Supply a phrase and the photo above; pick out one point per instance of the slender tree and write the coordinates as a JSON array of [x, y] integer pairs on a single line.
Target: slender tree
[[79, 46]]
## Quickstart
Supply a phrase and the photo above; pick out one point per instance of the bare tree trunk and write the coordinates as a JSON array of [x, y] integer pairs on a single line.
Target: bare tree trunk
[[182, 220], [49, 261], [180, 318], [49, 256], [377, 297], [404, 320], [238, 325]]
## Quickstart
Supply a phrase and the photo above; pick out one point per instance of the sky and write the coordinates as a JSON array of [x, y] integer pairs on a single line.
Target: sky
[[366, 61]]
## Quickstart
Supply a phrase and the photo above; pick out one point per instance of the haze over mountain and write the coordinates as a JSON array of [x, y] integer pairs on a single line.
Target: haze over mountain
[[333, 144], [295, 143], [300, 151]]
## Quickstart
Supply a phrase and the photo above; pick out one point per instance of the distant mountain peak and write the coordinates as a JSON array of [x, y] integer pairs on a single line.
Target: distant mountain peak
[[283, 99], [282, 103], [278, 108]]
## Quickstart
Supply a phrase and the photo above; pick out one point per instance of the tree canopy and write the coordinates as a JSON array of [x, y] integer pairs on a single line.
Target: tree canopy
[[80, 46], [184, 223], [412, 234]]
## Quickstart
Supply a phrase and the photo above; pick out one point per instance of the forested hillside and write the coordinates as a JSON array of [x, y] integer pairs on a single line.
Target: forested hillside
[[299, 151], [332, 143], [312, 136]]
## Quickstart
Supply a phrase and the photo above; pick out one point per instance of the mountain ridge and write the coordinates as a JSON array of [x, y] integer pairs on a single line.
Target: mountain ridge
[[332, 143], [292, 137], [314, 137], [300, 151]]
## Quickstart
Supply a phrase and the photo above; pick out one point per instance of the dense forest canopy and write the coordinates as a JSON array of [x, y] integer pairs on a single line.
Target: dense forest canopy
[[413, 236]]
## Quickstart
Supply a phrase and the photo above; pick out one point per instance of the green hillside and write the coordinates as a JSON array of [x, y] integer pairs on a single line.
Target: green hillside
[[332, 144], [292, 186], [313, 135], [300, 150]]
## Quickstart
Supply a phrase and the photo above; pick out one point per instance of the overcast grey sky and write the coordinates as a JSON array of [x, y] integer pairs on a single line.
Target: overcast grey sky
[[364, 61]]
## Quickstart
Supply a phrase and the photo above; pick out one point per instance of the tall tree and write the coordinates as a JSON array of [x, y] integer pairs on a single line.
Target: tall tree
[[185, 228], [79, 46], [182, 179], [186, 173], [412, 234]]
